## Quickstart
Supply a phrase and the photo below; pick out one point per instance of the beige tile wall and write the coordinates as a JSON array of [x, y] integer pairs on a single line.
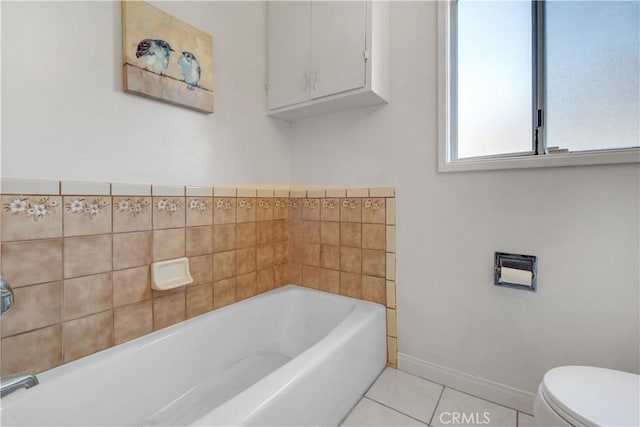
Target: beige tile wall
[[79, 265], [343, 241]]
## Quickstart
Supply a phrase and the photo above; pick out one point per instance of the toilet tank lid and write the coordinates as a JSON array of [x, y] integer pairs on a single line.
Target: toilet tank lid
[[595, 396]]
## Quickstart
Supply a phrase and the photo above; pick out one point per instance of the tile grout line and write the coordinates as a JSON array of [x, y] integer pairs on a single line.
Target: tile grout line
[[113, 314], [62, 279], [394, 409], [113, 310], [184, 231], [153, 236], [435, 408]]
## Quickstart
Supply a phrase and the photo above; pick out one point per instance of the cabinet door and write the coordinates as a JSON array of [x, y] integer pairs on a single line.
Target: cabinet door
[[338, 37], [289, 39]]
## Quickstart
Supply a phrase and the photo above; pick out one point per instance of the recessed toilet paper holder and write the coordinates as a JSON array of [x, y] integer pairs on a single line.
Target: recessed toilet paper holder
[[516, 271]]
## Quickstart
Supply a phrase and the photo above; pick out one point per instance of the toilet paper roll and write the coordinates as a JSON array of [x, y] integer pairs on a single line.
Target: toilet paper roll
[[515, 276]]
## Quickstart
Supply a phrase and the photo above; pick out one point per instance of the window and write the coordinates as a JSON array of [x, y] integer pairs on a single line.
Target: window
[[538, 83]]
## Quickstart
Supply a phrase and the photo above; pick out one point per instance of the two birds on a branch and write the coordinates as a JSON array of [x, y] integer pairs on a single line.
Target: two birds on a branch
[[155, 55]]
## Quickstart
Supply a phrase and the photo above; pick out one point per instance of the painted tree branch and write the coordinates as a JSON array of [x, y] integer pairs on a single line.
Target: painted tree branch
[[167, 76]]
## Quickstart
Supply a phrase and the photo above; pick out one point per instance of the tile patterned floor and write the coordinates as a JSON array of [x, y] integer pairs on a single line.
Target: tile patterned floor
[[401, 399]]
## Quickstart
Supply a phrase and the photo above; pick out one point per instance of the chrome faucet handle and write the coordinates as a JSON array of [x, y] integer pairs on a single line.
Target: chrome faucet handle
[[6, 297]]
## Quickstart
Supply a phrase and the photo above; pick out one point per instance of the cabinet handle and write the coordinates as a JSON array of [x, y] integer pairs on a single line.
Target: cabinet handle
[[315, 78], [306, 80]]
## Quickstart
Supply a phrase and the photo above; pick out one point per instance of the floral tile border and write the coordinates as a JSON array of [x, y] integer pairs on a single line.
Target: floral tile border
[[90, 208], [133, 206], [32, 209]]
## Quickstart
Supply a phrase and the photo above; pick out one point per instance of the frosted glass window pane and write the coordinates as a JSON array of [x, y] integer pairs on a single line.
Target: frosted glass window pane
[[592, 74], [494, 78]]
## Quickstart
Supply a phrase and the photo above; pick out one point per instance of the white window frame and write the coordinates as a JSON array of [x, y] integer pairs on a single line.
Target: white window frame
[[445, 110]]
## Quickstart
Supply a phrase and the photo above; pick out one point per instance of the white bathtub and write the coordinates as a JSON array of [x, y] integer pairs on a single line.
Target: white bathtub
[[292, 356]]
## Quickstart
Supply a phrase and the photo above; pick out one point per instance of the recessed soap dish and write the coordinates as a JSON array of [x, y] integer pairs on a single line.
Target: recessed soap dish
[[170, 274]]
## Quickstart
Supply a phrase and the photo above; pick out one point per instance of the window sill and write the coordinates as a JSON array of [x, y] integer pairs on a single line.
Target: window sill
[[544, 161]]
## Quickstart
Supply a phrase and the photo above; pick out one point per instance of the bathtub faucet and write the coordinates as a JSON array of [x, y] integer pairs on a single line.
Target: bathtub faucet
[[11, 383], [6, 296]]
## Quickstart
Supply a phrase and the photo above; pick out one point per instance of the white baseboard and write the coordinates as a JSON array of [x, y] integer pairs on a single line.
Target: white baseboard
[[483, 388]]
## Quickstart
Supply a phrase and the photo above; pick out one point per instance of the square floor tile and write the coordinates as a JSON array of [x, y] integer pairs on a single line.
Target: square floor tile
[[406, 393], [525, 420], [469, 411], [370, 413]]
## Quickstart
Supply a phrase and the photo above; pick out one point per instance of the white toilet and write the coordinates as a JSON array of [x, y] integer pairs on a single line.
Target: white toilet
[[588, 396]]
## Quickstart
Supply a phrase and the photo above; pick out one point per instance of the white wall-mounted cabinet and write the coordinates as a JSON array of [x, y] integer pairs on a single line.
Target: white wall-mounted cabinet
[[327, 56]]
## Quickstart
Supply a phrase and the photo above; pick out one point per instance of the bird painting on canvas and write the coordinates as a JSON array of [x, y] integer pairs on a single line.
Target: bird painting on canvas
[[190, 69], [165, 58], [155, 54]]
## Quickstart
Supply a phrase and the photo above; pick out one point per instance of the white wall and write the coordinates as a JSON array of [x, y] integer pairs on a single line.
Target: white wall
[[65, 116], [582, 223]]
